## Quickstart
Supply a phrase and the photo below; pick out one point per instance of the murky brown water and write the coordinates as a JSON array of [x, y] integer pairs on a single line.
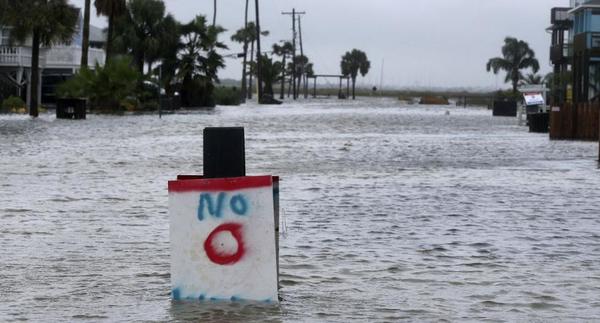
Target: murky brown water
[[389, 212]]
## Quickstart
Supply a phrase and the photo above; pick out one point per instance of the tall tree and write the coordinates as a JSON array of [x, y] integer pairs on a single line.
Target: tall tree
[[85, 43], [516, 56], [352, 63], [47, 22], [271, 72], [111, 9], [241, 36], [140, 30], [283, 50], [199, 60], [248, 36]]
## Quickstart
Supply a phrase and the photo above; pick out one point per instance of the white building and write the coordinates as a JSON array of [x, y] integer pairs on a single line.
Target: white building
[[57, 63]]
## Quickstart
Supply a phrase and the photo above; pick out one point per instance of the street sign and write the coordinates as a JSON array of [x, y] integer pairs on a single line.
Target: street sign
[[223, 239]]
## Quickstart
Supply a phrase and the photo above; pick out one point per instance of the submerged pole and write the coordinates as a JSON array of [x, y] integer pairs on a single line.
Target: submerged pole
[[224, 152], [258, 55]]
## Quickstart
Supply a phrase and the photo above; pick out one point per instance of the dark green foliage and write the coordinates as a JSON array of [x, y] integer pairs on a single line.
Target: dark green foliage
[[352, 63], [111, 9], [247, 35], [199, 62], [532, 79], [271, 72], [13, 104], [141, 30], [105, 87], [227, 96], [516, 56], [198, 92]]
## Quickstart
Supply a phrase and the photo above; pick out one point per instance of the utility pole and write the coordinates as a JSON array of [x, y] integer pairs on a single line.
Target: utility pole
[[245, 63], [293, 14], [303, 74], [258, 56]]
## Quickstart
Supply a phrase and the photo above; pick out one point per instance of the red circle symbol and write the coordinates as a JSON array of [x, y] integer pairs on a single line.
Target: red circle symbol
[[223, 257]]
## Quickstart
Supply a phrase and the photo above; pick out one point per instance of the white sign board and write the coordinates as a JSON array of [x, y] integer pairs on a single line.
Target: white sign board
[[534, 99], [223, 239]]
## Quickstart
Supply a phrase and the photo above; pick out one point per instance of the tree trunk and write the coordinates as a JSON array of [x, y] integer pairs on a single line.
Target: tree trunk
[[258, 54], [214, 13], [139, 61], [282, 90], [290, 85], [245, 63], [269, 88], [35, 73], [250, 90], [354, 88], [298, 84], [109, 37], [85, 44]]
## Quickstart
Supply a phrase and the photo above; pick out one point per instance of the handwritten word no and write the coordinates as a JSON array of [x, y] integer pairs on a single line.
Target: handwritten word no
[[214, 205]]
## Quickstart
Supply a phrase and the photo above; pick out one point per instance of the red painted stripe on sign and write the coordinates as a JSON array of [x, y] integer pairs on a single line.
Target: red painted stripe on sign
[[220, 184]]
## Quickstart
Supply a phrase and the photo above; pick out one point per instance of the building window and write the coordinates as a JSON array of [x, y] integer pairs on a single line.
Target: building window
[[4, 37]]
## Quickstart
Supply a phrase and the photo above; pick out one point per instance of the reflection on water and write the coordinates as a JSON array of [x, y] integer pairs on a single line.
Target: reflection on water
[[390, 212]]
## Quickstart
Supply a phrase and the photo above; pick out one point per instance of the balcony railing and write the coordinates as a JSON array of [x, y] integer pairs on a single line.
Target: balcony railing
[[15, 56], [560, 16], [55, 57]]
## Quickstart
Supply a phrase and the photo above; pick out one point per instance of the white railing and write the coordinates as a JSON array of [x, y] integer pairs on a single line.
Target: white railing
[[54, 57], [15, 56]]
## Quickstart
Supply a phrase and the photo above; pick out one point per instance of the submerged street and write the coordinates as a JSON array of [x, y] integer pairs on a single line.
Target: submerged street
[[389, 212]]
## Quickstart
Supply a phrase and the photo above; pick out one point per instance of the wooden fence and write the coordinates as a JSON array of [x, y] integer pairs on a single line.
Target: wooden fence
[[575, 122]]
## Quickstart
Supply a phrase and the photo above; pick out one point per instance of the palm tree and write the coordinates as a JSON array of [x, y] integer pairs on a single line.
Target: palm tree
[[247, 36], [516, 56], [199, 60], [85, 43], [352, 63], [271, 71], [283, 51], [532, 79], [140, 30], [47, 22], [111, 9]]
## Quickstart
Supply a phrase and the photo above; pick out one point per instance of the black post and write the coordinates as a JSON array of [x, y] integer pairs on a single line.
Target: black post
[[258, 56], [294, 72], [224, 152]]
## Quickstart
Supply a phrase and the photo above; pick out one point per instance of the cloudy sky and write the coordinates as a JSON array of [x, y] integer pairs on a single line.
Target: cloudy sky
[[443, 43]]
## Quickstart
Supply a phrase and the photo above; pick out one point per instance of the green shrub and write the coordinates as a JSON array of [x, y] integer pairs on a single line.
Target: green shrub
[[14, 104], [227, 96], [105, 87]]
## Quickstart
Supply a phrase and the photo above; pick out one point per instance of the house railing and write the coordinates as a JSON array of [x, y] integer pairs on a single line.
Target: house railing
[[54, 57], [15, 56]]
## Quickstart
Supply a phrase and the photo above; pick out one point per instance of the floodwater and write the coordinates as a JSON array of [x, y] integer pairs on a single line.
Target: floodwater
[[389, 213]]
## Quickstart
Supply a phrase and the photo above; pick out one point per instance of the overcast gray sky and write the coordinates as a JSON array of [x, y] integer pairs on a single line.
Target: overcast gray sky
[[442, 43]]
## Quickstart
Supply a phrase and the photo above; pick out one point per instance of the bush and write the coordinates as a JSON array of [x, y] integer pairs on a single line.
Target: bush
[[197, 92], [14, 104], [227, 96], [105, 87]]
